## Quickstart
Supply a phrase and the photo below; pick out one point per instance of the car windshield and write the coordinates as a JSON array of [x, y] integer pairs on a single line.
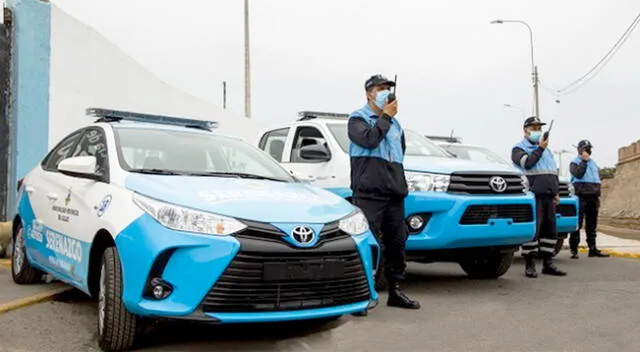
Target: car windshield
[[171, 152], [479, 154], [416, 143]]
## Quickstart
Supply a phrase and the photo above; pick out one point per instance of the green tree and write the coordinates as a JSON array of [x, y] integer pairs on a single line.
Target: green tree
[[607, 172]]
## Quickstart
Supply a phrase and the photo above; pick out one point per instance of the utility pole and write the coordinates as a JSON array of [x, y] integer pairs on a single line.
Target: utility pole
[[247, 64], [535, 91], [224, 94]]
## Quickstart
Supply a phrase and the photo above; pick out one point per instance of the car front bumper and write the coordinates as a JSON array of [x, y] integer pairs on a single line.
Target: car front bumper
[[461, 221], [567, 215], [206, 275]]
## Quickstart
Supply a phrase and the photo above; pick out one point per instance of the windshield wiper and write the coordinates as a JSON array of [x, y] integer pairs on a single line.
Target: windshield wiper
[[157, 172], [236, 174]]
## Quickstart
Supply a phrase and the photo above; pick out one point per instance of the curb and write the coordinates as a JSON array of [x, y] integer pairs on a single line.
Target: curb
[[27, 301], [613, 253], [5, 263]]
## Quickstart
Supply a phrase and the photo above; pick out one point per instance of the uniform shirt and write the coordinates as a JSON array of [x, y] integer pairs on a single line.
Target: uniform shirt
[[377, 151], [585, 177], [538, 165]]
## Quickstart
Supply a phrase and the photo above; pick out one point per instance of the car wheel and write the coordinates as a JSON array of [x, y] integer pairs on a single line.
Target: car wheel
[[116, 326], [489, 267], [21, 271], [559, 246]]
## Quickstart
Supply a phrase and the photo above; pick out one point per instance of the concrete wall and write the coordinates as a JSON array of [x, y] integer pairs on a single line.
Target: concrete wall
[[61, 66], [620, 205]]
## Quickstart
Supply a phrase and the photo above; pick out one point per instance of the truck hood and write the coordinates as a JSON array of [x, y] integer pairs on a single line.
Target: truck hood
[[450, 165], [257, 200]]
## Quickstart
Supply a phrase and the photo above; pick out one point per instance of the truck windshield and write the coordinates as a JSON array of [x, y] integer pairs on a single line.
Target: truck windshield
[[174, 152], [478, 154]]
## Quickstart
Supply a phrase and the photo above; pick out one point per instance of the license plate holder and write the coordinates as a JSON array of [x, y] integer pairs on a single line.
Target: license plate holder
[[305, 271]]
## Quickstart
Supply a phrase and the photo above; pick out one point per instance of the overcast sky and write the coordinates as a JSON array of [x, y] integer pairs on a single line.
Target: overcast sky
[[455, 70]]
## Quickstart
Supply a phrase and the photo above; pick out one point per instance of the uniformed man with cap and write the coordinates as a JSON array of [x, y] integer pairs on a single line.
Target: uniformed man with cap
[[378, 182], [532, 156], [585, 177]]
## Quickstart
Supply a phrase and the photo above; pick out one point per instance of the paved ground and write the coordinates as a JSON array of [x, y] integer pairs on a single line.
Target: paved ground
[[595, 308]]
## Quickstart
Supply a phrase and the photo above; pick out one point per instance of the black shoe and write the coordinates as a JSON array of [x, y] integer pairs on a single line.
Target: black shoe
[[595, 252], [574, 254], [397, 298], [549, 268], [530, 268]]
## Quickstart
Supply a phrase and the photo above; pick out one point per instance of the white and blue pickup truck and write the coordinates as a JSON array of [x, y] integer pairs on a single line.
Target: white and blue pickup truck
[[566, 211], [453, 212]]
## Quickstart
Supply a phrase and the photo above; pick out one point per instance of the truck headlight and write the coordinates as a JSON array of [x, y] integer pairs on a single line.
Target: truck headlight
[[189, 220], [525, 183], [424, 182], [572, 190], [355, 223]]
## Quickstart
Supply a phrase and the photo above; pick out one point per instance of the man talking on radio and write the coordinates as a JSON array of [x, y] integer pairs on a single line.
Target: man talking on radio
[[378, 182]]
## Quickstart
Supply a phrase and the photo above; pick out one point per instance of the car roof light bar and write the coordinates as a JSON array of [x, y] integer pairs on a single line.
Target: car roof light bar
[[109, 115], [309, 115]]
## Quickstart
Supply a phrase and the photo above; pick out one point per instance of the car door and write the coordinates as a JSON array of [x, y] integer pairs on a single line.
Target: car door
[[40, 215], [317, 172]]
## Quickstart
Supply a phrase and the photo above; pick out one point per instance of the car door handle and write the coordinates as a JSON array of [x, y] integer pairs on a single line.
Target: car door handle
[[29, 189], [52, 196]]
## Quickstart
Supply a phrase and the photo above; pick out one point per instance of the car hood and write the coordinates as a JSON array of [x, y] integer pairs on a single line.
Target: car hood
[[257, 200], [451, 165]]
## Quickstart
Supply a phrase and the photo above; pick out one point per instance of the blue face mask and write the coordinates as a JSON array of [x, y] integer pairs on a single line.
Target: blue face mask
[[534, 136], [381, 98]]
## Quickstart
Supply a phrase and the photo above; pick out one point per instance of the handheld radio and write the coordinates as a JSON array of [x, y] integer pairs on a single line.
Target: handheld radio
[[392, 96], [546, 134]]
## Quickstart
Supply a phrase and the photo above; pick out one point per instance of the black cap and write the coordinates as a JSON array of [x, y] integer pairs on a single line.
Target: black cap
[[584, 144], [533, 121], [377, 80]]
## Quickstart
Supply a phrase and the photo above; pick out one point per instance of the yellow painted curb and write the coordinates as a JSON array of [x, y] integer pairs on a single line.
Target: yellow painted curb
[[27, 301], [5, 262], [614, 253]]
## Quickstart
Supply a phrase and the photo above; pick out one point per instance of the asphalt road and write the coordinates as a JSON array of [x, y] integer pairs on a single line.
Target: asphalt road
[[595, 308]]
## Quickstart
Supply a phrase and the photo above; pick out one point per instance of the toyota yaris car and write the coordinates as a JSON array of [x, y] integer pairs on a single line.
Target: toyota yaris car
[[159, 216]]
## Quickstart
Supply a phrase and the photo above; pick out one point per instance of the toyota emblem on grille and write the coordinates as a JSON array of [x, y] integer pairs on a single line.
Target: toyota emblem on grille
[[303, 234], [498, 184]]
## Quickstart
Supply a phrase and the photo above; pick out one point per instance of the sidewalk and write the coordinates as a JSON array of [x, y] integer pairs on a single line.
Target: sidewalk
[[615, 246], [14, 296]]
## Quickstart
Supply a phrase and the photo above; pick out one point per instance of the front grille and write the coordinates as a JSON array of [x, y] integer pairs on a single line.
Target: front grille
[[478, 183], [481, 214], [564, 190], [266, 232], [566, 210], [242, 287]]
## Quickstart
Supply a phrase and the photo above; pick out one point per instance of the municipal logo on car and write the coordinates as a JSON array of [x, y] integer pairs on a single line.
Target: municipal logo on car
[[303, 234], [498, 184]]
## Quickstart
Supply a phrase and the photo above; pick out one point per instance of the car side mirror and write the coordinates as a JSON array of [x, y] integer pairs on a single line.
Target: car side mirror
[[316, 152], [80, 166]]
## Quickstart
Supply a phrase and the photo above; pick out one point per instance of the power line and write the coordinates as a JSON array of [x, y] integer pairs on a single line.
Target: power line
[[603, 61]]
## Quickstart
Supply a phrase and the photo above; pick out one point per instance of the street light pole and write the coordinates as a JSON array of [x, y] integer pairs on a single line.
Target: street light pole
[[559, 154], [247, 63], [534, 68]]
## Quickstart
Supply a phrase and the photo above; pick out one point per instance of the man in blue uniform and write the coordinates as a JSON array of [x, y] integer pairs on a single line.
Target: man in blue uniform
[[536, 161], [378, 182], [585, 177]]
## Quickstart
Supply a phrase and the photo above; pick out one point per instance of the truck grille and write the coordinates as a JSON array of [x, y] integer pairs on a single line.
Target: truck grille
[[477, 183], [566, 210], [564, 190], [480, 214], [243, 287]]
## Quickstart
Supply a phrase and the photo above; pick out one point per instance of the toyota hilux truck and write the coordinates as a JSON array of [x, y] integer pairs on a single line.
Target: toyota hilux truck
[[567, 209], [457, 210]]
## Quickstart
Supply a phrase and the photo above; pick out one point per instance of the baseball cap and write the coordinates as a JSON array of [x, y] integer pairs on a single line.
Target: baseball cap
[[377, 80], [584, 144], [532, 121]]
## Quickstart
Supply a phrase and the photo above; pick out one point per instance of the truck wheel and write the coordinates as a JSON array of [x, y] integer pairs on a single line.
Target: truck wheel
[[21, 271], [116, 326], [559, 246], [489, 267]]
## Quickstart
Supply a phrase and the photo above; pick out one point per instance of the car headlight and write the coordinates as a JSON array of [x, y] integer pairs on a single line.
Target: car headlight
[[525, 183], [189, 220], [572, 190], [354, 224], [424, 182]]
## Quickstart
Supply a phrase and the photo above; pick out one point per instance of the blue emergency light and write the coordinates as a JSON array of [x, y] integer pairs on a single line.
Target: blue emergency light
[[109, 115]]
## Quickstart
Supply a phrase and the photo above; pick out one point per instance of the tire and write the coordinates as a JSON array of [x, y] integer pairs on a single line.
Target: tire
[[116, 326], [559, 245], [21, 271], [490, 267]]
